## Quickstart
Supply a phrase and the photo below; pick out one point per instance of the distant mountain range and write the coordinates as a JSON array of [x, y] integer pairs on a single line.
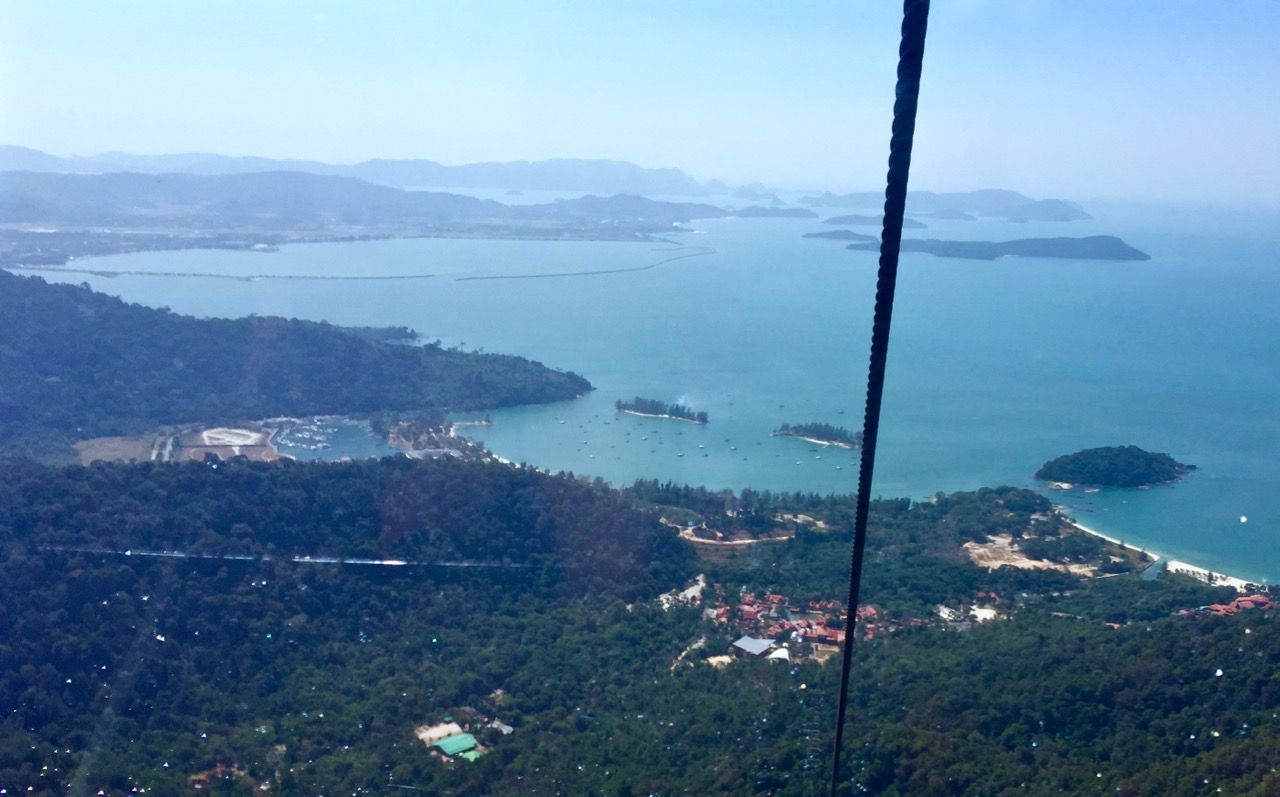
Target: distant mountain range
[[560, 174], [569, 175]]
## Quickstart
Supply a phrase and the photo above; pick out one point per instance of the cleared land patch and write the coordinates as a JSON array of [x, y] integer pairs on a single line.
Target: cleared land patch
[[115, 449], [1001, 551], [224, 436], [256, 453]]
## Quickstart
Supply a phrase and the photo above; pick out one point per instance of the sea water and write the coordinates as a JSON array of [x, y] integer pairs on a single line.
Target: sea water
[[994, 367]]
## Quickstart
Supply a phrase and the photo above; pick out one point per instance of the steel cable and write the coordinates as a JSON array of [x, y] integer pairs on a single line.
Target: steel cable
[[915, 19]]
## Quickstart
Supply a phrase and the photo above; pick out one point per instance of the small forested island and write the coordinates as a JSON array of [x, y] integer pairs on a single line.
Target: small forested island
[[659, 409], [756, 192], [760, 212], [873, 221], [1113, 466], [964, 205], [821, 433], [952, 214], [1092, 247], [841, 235], [1048, 210]]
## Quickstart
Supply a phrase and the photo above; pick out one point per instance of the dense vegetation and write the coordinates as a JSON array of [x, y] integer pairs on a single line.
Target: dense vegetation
[[570, 532], [1113, 466], [919, 561], [646, 406], [824, 432], [76, 364], [226, 646], [122, 671]]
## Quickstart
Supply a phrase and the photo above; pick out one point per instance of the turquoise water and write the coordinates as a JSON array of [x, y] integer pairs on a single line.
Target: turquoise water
[[344, 438], [994, 367]]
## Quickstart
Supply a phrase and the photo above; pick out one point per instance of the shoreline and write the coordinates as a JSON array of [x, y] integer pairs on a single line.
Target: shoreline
[[467, 424], [1210, 576], [111, 273], [816, 440], [668, 417], [1204, 574]]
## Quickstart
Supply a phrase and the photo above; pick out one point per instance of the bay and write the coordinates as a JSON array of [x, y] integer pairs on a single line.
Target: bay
[[994, 367]]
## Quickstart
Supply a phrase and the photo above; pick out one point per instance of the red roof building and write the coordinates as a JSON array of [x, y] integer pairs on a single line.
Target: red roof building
[[1239, 605]]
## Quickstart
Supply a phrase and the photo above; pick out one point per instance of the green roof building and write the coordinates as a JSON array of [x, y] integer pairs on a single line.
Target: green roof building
[[470, 755], [458, 743]]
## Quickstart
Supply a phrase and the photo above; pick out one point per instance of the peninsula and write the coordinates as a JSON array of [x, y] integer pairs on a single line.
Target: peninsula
[[1113, 466], [651, 408], [1092, 247], [150, 368], [824, 434]]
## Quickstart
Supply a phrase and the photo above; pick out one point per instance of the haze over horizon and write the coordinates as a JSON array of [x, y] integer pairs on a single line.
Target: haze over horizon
[[1082, 100]]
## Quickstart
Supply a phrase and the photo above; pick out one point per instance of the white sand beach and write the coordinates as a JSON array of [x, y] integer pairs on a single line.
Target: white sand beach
[[1172, 565]]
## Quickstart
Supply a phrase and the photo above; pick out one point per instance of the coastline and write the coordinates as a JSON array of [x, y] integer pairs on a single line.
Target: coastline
[[815, 440], [668, 417], [467, 424], [1209, 576], [270, 443], [1172, 565]]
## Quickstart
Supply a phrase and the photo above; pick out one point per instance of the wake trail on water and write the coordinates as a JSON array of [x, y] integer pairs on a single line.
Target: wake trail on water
[[702, 251]]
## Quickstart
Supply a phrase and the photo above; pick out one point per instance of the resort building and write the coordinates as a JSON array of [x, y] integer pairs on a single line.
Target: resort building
[[430, 734], [457, 745], [750, 646]]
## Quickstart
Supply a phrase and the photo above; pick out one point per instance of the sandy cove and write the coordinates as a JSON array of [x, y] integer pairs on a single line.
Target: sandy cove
[[1172, 565]]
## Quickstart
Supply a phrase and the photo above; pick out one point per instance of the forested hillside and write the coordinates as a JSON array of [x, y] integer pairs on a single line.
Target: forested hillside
[[75, 363], [124, 670]]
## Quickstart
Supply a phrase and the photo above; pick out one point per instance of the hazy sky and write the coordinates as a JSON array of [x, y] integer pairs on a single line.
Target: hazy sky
[[1078, 98]]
